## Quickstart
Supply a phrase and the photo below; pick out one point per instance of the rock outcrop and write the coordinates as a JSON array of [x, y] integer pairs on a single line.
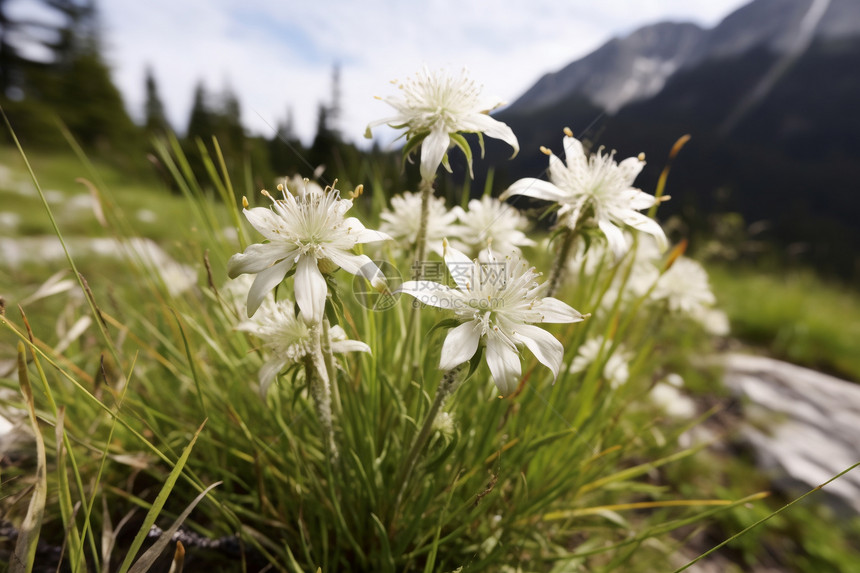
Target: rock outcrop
[[804, 426]]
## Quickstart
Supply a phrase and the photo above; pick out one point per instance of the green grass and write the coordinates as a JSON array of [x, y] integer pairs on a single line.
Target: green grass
[[552, 478], [797, 316], [146, 207]]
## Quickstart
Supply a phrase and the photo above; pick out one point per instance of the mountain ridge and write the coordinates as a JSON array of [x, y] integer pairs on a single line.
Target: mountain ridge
[[775, 130], [637, 66]]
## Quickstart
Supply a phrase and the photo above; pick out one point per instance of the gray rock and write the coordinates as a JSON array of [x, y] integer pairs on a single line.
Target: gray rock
[[803, 425]]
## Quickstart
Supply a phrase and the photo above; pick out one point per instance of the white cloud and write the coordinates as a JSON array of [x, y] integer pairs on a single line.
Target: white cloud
[[276, 54]]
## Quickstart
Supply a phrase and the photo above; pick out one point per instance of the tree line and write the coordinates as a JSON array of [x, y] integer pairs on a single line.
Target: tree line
[[54, 78]]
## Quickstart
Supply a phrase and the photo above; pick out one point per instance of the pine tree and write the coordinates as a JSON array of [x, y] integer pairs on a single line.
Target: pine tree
[[9, 59], [287, 128], [155, 119], [74, 85], [285, 150], [201, 122], [230, 133]]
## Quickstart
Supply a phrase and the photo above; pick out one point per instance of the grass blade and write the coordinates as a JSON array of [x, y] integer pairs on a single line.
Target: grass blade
[[763, 519], [149, 557], [153, 512], [28, 538]]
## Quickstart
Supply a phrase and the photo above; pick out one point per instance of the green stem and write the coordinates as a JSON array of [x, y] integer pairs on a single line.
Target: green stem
[[560, 262], [449, 383], [426, 188]]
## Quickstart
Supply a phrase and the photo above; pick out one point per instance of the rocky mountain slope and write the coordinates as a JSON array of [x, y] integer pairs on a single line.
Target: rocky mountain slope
[[769, 97]]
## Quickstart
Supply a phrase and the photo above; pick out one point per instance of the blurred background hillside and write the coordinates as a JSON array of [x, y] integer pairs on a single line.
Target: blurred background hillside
[[768, 95]]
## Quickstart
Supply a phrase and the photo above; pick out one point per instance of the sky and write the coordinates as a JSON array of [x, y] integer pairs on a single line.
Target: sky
[[278, 55]]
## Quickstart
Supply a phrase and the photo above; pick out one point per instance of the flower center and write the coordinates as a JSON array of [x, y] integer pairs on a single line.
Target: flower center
[[292, 340]]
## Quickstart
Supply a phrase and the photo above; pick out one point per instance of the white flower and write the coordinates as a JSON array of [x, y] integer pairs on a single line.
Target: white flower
[[585, 260], [437, 106], [490, 221], [615, 370], [288, 339], [593, 258], [667, 396], [234, 294], [177, 278], [714, 320], [444, 424], [684, 287], [304, 232], [300, 186], [404, 219], [497, 301], [597, 190], [645, 271]]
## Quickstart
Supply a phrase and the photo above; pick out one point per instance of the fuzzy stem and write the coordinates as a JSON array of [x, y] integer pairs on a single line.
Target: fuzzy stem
[[328, 356], [449, 383], [559, 263], [318, 382], [426, 188]]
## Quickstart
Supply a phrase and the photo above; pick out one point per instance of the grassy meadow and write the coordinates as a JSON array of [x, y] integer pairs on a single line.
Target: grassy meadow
[[146, 400]]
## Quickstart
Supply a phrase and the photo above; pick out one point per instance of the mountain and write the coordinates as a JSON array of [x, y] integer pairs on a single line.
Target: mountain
[[620, 71], [778, 26], [637, 66], [769, 96]]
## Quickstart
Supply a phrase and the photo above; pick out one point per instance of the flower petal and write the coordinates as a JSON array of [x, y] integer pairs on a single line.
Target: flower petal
[[553, 310], [460, 345], [349, 346], [648, 225], [266, 280], [614, 237], [574, 154], [433, 294], [268, 372], [257, 257], [310, 289], [436, 246], [637, 199], [481, 122], [463, 269], [393, 120], [559, 174], [433, 149], [350, 263], [630, 168], [363, 234], [504, 363], [359, 265], [266, 221], [537, 188], [546, 348]]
